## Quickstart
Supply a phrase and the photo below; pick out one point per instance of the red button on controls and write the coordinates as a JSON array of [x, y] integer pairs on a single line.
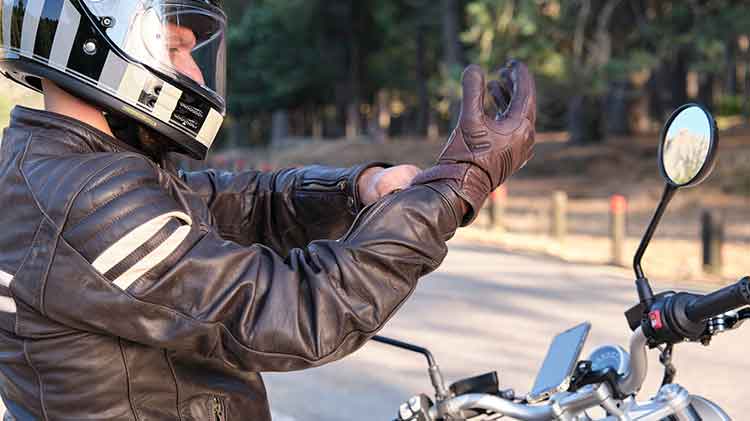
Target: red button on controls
[[655, 317]]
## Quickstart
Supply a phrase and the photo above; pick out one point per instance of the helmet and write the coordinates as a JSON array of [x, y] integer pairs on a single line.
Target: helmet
[[159, 62]]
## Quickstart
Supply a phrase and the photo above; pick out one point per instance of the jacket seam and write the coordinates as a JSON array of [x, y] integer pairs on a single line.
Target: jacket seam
[[105, 179], [448, 203], [176, 384], [20, 268], [38, 379], [112, 199], [127, 378], [45, 216], [59, 228], [378, 209], [114, 221]]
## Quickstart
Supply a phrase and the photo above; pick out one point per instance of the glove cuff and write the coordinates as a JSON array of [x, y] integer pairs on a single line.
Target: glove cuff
[[469, 183]]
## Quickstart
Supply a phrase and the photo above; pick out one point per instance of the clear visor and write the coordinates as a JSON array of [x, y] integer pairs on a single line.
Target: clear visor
[[183, 39]]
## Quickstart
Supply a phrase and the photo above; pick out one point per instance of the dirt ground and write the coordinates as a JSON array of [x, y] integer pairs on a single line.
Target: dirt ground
[[589, 175]]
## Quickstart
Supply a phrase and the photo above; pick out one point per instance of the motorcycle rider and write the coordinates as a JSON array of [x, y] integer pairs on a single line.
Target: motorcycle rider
[[132, 290]]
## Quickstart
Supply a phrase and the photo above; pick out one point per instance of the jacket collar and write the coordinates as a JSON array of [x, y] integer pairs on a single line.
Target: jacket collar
[[74, 132]]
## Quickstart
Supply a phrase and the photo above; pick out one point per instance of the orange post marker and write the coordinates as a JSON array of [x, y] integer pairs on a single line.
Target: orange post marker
[[618, 204]]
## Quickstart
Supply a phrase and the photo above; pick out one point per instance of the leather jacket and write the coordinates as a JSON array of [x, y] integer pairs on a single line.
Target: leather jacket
[[132, 291]]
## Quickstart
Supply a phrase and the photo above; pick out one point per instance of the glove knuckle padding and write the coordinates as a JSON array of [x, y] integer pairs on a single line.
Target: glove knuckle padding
[[482, 153]]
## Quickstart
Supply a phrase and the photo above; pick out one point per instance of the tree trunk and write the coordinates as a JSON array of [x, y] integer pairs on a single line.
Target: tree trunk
[[423, 100], [617, 121], [678, 78], [433, 128], [706, 89], [352, 121], [317, 124], [747, 90], [730, 58], [451, 46], [451, 40], [655, 89], [353, 128], [279, 125], [584, 124]]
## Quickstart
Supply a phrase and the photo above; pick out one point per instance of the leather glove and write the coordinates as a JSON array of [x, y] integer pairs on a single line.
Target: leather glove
[[483, 152]]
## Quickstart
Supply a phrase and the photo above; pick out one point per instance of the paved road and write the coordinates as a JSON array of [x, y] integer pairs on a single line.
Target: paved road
[[485, 311]]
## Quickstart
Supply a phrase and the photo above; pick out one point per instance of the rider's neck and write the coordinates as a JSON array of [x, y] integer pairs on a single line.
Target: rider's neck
[[58, 101]]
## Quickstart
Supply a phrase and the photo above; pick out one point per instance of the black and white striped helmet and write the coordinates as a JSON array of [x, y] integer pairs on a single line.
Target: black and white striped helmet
[[159, 62]]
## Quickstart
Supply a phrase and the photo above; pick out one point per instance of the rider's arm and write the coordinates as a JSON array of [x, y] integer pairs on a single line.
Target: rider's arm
[[133, 263], [281, 209]]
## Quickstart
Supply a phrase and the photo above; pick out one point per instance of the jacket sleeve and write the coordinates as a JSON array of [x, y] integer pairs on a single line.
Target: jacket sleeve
[[282, 209], [132, 263]]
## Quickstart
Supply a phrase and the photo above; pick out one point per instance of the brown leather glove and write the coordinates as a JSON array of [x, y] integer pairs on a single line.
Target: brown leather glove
[[483, 152]]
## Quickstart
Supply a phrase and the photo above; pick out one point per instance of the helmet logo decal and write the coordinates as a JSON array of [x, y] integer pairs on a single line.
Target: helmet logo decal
[[132, 83], [167, 101]]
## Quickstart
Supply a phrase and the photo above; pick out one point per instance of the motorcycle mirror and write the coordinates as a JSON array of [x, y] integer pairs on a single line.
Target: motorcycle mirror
[[689, 141], [687, 155]]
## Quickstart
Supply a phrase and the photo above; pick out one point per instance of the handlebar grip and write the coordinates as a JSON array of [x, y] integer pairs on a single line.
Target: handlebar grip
[[720, 302]]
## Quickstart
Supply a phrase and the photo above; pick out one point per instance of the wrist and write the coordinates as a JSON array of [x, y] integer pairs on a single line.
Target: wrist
[[358, 187], [366, 185]]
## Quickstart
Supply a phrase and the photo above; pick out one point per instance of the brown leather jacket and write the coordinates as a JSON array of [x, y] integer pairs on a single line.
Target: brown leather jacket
[[131, 291]]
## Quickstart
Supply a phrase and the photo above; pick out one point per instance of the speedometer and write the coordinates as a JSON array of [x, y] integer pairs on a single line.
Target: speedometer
[[610, 356]]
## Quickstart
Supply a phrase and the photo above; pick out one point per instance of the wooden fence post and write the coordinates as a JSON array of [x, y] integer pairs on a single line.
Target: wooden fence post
[[499, 201], [559, 216], [712, 234], [618, 208]]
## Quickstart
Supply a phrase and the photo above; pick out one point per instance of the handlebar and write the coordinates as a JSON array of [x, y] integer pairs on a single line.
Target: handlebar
[[629, 384], [719, 302]]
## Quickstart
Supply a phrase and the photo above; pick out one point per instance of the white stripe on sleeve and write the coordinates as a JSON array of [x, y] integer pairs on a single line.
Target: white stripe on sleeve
[[118, 251], [5, 279], [154, 258], [7, 305]]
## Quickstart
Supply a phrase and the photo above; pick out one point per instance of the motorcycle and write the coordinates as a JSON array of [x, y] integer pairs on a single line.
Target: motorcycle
[[610, 378]]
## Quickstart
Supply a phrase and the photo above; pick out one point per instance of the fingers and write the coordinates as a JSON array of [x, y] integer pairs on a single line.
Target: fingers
[[395, 178], [500, 96], [472, 106], [523, 102]]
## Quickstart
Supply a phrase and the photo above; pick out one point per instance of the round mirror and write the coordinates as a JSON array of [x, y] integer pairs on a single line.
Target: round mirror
[[688, 146]]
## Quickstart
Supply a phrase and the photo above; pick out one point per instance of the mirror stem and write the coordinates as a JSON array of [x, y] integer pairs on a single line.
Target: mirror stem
[[645, 293]]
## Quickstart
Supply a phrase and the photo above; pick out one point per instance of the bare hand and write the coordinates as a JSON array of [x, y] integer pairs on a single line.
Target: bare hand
[[377, 182]]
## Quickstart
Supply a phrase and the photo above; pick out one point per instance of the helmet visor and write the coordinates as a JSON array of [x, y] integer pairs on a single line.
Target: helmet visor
[[185, 40]]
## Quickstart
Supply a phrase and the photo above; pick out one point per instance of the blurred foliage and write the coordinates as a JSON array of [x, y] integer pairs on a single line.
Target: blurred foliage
[[596, 61], [602, 67]]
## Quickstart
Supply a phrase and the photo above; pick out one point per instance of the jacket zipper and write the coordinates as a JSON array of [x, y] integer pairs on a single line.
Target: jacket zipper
[[322, 185], [218, 409]]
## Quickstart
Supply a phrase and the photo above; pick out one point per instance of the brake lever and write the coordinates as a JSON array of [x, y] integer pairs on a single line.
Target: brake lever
[[728, 321]]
